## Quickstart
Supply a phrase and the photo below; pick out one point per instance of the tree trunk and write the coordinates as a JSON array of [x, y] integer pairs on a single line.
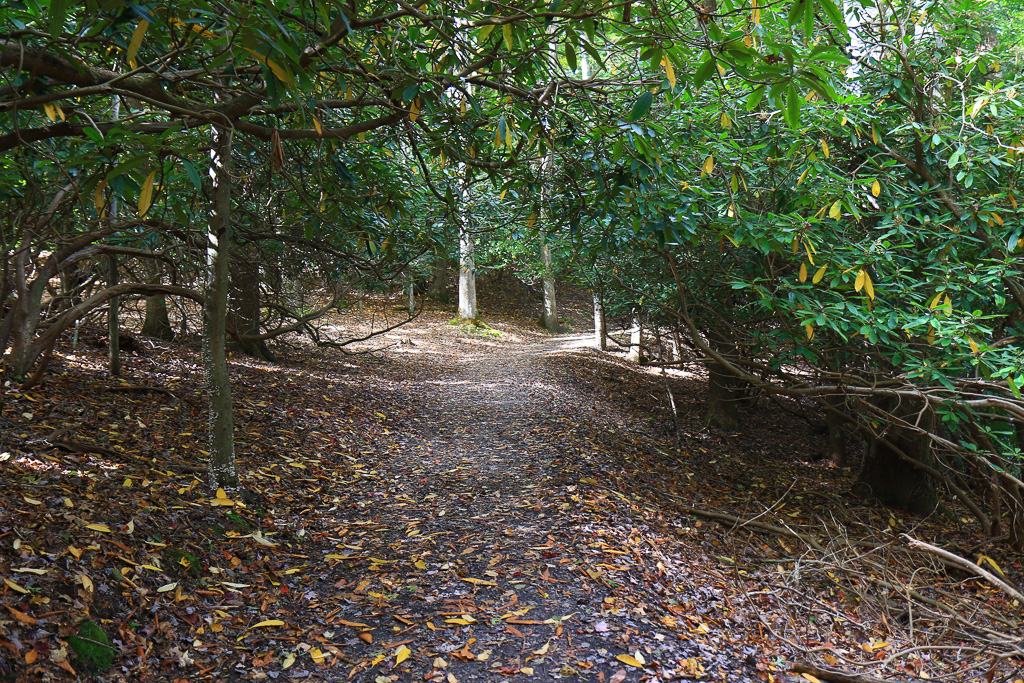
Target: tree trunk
[[467, 276], [439, 281], [410, 292], [835, 451], [600, 326], [891, 480], [223, 468], [157, 323], [244, 314], [113, 321], [724, 394], [550, 318], [636, 336]]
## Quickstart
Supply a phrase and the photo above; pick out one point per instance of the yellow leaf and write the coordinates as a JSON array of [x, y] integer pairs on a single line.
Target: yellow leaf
[[708, 167], [458, 622], [869, 286], [220, 494], [935, 301], [810, 331], [32, 501], [874, 135], [288, 660], [167, 588], [414, 110], [136, 42], [402, 654], [98, 197], [484, 32], [268, 622], [316, 124], [803, 175], [281, 74], [755, 14], [530, 220], [480, 582], [51, 113], [318, 655], [528, 670], [506, 30], [859, 282], [811, 678], [102, 528], [670, 73], [803, 272], [15, 587], [146, 195], [974, 347], [127, 482], [630, 660], [87, 583], [725, 121], [837, 210], [876, 188], [420, 564], [992, 562], [819, 275], [824, 148]]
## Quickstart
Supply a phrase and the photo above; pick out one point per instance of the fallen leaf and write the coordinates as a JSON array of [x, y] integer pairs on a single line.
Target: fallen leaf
[[167, 587], [288, 660], [268, 622], [21, 616], [98, 527], [618, 676], [629, 659], [402, 654]]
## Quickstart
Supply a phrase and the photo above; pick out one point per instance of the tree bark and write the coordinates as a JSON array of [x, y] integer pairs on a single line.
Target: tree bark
[[157, 323], [550, 318], [890, 479], [439, 281], [636, 336], [835, 451], [467, 275], [410, 293], [223, 467], [244, 313], [600, 325], [723, 398], [113, 320]]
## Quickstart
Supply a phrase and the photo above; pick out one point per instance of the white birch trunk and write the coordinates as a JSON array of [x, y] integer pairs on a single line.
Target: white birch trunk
[[467, 275], [635, 339], [600, 327]]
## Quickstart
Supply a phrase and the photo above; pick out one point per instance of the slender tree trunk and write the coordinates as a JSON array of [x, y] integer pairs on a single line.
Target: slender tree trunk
[[467, 275], [410, 293], [439, 281], [113, 320], [636, 336], [600, 326], [157, 323], [723, 399], [244, 298], [223, 468], [548, 279], [836, 438]]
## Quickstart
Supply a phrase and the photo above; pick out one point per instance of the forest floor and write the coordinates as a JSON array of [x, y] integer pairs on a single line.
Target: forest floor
[[460, 505]]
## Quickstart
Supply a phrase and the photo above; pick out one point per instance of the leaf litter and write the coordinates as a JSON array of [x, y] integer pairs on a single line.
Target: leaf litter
[[452, 508]]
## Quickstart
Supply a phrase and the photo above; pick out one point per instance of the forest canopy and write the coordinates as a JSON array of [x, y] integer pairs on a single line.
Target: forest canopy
[[820, 201]]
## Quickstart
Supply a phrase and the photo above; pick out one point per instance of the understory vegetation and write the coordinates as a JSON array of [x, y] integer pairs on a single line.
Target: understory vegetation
[[783, 222]]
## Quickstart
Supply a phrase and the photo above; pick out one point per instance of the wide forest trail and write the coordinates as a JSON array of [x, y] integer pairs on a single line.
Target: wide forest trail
[[455, 505], [495, 552]]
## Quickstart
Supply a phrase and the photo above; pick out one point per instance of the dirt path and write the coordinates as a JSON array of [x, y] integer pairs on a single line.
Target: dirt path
[[488, 559]]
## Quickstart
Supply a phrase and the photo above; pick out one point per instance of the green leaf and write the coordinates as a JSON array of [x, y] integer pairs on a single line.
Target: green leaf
[[792, 106], [192, 174], [57, 14], [834, 15], [570, 56], [754, 98], [92, 647], [704, 71], [642, 106]]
